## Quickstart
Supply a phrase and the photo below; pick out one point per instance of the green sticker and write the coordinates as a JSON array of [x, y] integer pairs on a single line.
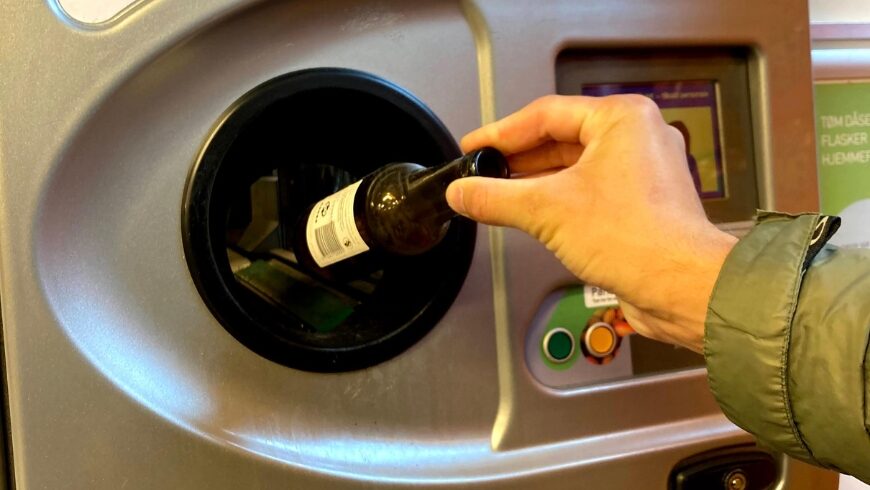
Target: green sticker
[[572, 314]]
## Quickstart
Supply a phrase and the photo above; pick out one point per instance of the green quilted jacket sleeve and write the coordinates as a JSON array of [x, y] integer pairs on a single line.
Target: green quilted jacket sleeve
[[786, 342]]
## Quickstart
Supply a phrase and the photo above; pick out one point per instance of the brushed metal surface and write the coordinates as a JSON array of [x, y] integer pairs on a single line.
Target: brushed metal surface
[[120, 378], [120, 372], [783, 116]]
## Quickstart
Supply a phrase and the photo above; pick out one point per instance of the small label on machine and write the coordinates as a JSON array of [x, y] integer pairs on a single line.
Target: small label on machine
[[595, 297], [331, 232]]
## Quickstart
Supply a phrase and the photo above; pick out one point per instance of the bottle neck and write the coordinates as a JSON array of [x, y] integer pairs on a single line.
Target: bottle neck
[[430, 185]]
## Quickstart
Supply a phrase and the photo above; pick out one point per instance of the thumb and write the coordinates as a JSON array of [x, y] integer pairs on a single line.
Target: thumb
[[492, 201]]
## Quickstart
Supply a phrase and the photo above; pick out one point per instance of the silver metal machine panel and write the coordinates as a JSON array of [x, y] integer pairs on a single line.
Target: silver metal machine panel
[[117, 374]]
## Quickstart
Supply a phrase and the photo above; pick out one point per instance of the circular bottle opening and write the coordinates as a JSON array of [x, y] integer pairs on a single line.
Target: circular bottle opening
[[281, 147], [491, 163]]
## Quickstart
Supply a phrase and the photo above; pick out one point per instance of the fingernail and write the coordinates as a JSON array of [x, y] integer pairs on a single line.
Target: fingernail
[[455, 199]]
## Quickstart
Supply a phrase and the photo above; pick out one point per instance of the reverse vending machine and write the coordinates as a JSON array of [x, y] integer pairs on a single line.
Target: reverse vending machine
[[159, 333]]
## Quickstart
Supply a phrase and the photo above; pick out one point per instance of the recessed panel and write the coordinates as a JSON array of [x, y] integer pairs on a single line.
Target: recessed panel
[[704, 93]]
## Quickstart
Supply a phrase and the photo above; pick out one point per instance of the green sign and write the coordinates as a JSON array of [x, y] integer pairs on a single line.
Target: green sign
[[843, 130]]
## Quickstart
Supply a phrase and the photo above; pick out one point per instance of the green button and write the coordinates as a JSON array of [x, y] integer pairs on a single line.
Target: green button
[[558, 345]]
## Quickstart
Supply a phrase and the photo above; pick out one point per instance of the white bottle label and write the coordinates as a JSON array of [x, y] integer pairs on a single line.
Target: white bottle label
[[595, 297], [331, 232]]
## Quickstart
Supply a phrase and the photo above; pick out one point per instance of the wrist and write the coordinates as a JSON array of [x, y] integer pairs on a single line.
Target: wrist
[[677, 311], [692, 286]]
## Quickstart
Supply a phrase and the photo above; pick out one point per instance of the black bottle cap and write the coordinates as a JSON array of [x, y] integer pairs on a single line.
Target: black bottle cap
[[489, 162]]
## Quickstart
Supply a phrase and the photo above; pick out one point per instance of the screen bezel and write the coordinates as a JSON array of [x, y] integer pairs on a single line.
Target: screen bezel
[[726, 67]]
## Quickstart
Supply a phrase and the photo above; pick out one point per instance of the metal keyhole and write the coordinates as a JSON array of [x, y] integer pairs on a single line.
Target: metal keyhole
[[736, 480]]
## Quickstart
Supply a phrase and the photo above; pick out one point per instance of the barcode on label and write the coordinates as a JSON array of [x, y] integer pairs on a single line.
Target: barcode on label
[[327, 240]]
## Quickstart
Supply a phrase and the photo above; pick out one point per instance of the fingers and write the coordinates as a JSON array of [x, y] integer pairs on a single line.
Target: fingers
[[552, 117], [495, 201], [567, 119], [539, 174], [550, 155]]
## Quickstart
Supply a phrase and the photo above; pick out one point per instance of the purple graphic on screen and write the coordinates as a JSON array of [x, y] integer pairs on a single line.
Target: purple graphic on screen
[[672, 97]]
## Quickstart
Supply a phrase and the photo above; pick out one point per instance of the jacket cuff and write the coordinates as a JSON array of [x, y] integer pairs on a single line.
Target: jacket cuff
[[748, 325]]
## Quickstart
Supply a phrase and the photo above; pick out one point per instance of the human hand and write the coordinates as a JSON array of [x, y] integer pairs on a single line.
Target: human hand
[[604, 184]]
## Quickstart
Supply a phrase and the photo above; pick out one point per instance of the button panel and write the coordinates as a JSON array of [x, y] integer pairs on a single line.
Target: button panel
[[580, 337], [571, 344]]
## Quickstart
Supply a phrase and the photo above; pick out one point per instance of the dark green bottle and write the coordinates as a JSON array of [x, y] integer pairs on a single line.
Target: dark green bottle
[[399, 209]]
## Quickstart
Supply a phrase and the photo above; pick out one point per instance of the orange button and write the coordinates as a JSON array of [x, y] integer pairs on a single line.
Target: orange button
[[600, 339]]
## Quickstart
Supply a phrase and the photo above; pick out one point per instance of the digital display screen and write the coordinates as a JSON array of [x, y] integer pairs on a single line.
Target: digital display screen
[[691, 107]]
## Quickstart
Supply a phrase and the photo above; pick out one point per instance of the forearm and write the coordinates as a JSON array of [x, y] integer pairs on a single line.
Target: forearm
[[786, 343], [672, 305]]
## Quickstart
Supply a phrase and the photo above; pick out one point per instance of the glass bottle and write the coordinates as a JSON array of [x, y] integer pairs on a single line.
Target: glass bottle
[[399, 209]]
